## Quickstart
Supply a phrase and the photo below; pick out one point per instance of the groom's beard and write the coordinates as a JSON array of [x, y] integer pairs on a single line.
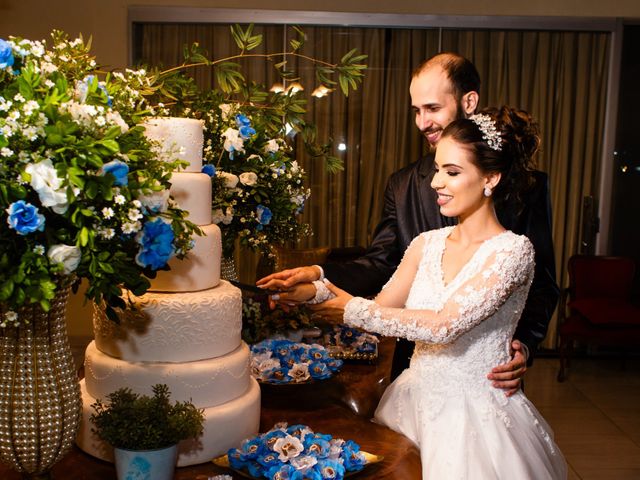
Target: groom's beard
[[460, 113]]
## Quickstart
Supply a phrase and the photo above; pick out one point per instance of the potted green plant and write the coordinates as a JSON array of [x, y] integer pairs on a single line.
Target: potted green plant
[[144, 431]]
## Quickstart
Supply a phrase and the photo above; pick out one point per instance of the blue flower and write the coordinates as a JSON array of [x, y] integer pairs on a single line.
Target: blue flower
[[24, 218], [354, 460], [268, 460], [244, 126], [156, 240], [6, 54], [331, 469], [209, 170], [284, 472], [236, 459], [264, 214], [119, 170]]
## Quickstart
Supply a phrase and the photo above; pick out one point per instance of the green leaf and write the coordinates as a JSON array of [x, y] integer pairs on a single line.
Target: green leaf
[[6, 290], [84, 236]]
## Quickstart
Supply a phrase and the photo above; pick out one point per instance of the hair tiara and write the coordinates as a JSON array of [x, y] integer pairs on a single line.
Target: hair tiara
[[488, 129]]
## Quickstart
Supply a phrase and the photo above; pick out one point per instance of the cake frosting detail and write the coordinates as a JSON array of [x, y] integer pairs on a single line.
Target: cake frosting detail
[[185, 331], [178, 327]]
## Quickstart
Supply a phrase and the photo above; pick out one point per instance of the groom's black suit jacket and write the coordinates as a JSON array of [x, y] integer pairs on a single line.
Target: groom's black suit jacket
[[410, 208]]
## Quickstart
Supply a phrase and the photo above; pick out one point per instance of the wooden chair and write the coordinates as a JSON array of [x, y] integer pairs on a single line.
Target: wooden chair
[[597, 308]]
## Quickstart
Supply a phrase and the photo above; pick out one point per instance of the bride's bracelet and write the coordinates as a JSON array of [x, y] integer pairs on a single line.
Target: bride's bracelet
[[322, 292]]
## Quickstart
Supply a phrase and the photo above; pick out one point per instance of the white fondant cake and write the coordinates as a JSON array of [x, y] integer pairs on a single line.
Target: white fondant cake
[[179, 138], [188, 189], [189, 338], [199, 270], [205, 382], [178, 327]]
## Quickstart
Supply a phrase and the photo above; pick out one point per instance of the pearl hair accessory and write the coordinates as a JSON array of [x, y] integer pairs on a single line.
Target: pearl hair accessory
[[489, 131]]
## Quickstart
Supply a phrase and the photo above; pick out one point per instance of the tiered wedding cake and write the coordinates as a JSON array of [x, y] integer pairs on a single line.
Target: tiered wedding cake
[[188, 332]]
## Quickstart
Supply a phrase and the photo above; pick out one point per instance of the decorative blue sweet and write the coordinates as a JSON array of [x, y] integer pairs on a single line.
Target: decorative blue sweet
[[331, 469], [319, 370], [281, 472], [316, 446], [292, 355], [6, 54], [156, 242], [354, 460], [209, 170], [24, 218], [312, 463], [311, 474], [119, 170]]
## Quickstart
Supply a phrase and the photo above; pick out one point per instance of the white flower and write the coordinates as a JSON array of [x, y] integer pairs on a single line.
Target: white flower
[[248, 178], [131, 227], [230, 180], [217, 216], [134, 214], [157, 202], [38, 249], [272, 146], [6, 152], [226, 110], [288, 447], [107, 212], [116, 118], [233, 140], [68, 255], [45, 181]]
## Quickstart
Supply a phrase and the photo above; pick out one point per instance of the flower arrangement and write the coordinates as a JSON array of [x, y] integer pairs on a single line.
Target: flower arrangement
[[258, 190], [259, 321], [258, 185], [81, 192], [297, 452], [284, 361]]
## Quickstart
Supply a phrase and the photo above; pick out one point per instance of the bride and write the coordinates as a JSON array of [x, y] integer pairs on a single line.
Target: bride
[[458, 293]]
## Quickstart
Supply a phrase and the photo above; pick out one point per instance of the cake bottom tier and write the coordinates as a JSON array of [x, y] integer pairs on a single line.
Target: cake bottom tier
[[225, 426]]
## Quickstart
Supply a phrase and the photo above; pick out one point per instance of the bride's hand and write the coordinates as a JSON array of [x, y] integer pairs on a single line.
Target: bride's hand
[[295, 295], [332, 311]]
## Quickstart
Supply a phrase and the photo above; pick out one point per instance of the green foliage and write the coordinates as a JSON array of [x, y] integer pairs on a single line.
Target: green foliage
[[139, 422]]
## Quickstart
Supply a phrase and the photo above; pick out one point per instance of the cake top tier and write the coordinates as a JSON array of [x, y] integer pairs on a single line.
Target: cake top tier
[[178, 138]]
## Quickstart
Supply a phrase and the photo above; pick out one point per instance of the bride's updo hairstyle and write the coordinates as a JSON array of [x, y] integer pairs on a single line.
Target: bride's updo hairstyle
[[502, 140]]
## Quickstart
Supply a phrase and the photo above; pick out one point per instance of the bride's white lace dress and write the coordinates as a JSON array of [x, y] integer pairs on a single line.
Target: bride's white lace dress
[[465, 428]]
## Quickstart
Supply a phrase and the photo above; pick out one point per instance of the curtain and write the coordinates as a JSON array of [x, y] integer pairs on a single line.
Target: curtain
[[559, 77]]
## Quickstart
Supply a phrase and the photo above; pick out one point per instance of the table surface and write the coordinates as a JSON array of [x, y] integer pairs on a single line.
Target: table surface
[[342, 407]]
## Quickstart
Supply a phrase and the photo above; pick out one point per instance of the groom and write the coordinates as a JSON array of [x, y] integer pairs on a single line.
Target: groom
[[443, 88]]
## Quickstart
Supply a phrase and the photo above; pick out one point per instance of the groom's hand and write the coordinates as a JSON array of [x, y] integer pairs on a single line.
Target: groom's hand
[[508, 376], [287, 279]]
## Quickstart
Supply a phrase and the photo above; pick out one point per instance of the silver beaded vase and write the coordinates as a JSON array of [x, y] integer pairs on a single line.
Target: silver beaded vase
[[40, 402], [228, 270]]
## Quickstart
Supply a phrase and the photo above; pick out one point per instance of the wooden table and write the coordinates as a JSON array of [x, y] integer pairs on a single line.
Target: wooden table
[[341, 407]]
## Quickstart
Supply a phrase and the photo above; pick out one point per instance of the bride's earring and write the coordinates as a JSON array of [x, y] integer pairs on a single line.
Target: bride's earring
[[487, 191]]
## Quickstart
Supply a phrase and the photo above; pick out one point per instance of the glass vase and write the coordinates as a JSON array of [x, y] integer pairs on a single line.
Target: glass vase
[[40, 402]]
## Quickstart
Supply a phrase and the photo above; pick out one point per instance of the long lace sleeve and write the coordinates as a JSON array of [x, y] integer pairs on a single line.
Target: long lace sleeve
[[503, 270]]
